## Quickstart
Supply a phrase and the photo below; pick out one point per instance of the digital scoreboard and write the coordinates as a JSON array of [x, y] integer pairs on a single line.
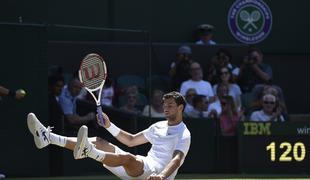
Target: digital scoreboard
[[274, 147]]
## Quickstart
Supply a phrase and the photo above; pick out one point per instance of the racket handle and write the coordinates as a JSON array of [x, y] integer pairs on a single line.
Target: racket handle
[[100, 116]]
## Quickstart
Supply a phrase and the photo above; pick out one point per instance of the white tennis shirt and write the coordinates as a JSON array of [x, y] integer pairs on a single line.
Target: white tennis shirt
[[165, 140]]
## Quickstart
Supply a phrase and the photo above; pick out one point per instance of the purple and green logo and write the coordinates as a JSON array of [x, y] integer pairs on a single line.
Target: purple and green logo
[[250, 21]]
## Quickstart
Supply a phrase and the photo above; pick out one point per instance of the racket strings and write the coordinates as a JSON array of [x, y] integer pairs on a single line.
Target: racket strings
[[93, 72]]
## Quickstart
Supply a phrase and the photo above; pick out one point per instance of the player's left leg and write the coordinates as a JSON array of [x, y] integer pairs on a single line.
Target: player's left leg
[[43, 136]]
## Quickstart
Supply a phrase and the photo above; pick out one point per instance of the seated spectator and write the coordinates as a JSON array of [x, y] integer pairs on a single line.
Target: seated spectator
[[221, 91], [56, 115], [107, 93], [190, 94], [253, 71], [67, 100], [196, 82], [205, 34], [270, 110], [260, 90], [229, 116], [223, 58], [225, 77], [157, 110], [56, 120], [180, 67], [200, 107], [131, 102]]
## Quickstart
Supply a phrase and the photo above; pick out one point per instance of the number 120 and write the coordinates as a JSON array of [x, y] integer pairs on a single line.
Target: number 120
[[299, 151]]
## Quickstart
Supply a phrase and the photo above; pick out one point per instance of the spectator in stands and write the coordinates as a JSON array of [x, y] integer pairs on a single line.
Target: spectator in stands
[[260, 90], [17, 94], [270, 110], [253, 71], [56, 114], [180, 68], [200, 107], [156, 107], [107, 93], [229, 116], [196, 82], [56, 119], [190, 94], [205, 34], [222, 58], [225, 77], [131, 100], [68, 100], [221, 91]]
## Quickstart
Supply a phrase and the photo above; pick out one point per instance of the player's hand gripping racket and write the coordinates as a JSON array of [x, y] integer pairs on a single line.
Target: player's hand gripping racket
[[92, 74]]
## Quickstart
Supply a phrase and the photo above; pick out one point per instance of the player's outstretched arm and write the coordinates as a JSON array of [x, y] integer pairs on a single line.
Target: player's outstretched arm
[[170, 168], [18, 94], [122, 136]]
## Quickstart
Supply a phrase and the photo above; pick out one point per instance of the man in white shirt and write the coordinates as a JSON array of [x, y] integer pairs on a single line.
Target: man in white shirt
[[196, 82], [170, 141]]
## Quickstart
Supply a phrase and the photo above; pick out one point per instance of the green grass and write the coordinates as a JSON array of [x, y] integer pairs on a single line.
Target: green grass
[[181, 177]]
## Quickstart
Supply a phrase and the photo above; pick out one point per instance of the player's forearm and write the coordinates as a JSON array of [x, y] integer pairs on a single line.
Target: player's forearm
[[4, 91], [171, 167], [126, 138]]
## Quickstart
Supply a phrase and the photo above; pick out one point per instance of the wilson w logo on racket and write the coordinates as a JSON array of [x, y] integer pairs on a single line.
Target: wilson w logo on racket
[[92, 74]]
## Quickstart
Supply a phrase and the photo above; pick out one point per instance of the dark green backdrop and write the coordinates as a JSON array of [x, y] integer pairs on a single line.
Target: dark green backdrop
[[168, 21], [24, 62]]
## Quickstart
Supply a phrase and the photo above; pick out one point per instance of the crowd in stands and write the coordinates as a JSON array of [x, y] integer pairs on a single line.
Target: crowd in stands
[[221, 90]]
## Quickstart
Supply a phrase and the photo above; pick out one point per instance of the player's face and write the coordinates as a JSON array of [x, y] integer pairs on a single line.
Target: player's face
[[171, 108]]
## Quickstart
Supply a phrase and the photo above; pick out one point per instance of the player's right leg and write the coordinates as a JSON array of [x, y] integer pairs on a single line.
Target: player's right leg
[[43, 137], [132, 165]]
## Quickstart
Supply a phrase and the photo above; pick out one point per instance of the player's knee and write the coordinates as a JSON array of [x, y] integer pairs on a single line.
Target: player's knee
[[99, 139], [100, 142]]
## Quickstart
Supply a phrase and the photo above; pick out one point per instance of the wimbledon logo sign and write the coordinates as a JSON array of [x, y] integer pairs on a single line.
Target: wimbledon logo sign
[[250, 21]]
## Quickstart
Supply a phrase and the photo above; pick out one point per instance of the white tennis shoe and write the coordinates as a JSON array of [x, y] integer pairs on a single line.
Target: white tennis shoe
[[83, 146], [40, 133]]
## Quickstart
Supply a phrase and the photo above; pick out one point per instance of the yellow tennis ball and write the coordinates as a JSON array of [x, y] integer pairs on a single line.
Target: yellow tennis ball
[[23, 92]]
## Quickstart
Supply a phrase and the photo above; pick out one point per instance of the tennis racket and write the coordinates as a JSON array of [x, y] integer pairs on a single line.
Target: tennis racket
[[92, 74]]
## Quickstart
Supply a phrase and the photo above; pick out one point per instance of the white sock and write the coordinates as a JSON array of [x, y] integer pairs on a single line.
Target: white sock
[[96, 154], [58, 140]]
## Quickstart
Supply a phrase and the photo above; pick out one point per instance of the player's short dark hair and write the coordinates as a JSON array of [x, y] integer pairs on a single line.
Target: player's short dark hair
[[178, 98]]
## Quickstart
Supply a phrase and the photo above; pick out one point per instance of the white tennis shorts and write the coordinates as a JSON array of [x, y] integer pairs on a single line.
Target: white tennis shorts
[[149, 167]]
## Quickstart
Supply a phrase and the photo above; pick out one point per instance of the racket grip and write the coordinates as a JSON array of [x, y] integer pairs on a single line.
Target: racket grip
[[100, 116]]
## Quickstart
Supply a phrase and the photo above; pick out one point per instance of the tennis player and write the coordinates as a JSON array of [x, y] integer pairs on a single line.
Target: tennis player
[[170, 141]]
